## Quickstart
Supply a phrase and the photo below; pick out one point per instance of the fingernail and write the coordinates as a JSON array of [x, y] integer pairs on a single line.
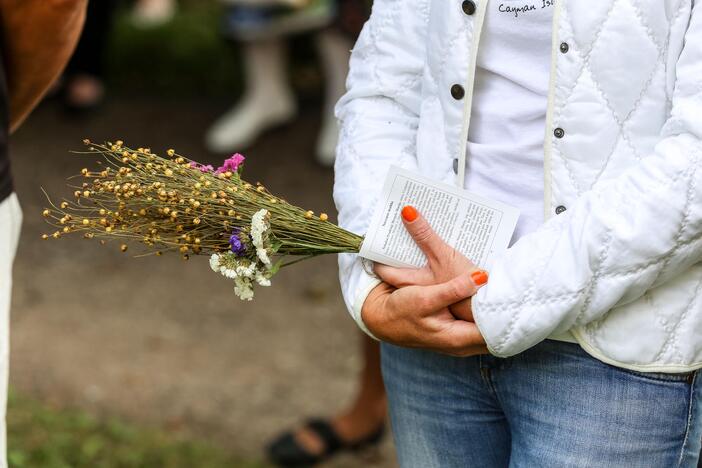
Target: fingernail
[[409, 213], [479, 277]]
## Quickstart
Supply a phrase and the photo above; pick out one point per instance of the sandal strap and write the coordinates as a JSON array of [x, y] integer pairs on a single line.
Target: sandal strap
[[331, 440]]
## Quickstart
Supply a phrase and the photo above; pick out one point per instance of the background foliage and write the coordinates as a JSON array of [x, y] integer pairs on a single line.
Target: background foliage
[[40, 436]]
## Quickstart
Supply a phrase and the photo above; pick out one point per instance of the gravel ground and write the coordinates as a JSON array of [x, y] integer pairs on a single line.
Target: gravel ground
[[166, 343]]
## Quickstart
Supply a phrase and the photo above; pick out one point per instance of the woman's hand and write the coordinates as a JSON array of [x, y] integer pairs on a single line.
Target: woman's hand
[[443, 263], [418, 317]]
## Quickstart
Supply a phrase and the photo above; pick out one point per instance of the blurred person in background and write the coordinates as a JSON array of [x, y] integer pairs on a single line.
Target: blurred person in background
[[261, 27], [84, 87], [38, 37]]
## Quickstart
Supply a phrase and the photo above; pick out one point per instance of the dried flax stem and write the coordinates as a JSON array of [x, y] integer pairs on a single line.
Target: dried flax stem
[[173, 204]]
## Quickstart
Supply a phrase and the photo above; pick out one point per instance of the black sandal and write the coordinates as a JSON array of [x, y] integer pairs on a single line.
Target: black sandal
[[285, 451]]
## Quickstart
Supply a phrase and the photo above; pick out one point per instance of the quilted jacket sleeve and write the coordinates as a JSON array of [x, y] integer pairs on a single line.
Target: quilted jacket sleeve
[[616, 242], [379, 118]]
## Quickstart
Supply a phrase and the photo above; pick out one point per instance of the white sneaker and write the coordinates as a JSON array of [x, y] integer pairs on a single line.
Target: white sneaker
[[268, 100], [244, 123], [153, 13]]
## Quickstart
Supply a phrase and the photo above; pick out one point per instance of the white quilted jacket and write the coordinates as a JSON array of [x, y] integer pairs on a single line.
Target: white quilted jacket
[[621, 267]]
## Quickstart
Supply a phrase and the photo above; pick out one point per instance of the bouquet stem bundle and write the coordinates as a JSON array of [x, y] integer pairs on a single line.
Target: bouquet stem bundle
[[173, 204]]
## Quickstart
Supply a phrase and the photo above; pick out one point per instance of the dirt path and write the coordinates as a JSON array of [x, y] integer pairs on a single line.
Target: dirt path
[[166, 343]]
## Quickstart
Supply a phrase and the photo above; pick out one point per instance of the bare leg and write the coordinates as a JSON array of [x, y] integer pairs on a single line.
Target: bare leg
[[368, 410], [334, 52]]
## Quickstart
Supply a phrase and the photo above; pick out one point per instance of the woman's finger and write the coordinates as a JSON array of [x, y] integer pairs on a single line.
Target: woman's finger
[[424, 236], [463, 310], [461, 339], [442, 295], [401, 277]]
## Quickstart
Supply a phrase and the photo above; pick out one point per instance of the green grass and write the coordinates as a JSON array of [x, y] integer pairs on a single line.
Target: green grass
[[189, 57], [187, 53], [41, 437]]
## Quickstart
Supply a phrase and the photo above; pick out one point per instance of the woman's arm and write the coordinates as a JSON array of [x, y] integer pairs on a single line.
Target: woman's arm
[[38, 39], [616, 242], [379, 117]]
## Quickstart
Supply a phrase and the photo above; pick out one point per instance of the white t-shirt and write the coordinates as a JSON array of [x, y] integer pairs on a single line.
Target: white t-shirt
[[505, 151]]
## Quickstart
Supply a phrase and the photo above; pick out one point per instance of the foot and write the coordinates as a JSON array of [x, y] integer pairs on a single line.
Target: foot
[[84, 92], [319, 440], [243, 124], [351, 428], [355, 426]]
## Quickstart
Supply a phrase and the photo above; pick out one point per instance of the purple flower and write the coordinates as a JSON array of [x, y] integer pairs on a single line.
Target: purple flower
[[232, 164], [201, 167], [235, 243]]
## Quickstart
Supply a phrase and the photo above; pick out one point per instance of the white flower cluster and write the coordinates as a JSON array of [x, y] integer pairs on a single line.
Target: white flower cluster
[[243, 271], [259, 228]]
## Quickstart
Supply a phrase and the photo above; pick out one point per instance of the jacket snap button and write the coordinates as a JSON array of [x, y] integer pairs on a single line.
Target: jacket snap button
[[559, 133], [565, 47], [457, 91], [468, 7], [560, 209], [455, 166]]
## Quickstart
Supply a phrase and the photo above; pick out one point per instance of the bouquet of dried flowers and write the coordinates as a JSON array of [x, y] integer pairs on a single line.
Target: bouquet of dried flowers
[[174, 204]]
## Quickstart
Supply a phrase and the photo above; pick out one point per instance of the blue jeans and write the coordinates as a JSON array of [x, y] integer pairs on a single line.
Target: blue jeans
[[551, 406]]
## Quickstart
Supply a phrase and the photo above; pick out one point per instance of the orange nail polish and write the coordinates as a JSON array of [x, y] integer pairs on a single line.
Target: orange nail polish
[[480, 277], [409, 213]]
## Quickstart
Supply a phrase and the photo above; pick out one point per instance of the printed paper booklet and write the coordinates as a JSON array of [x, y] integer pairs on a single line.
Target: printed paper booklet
[[477, 227]]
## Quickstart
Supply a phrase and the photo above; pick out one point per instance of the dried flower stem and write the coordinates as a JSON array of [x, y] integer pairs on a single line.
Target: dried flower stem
[[172, 204]]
